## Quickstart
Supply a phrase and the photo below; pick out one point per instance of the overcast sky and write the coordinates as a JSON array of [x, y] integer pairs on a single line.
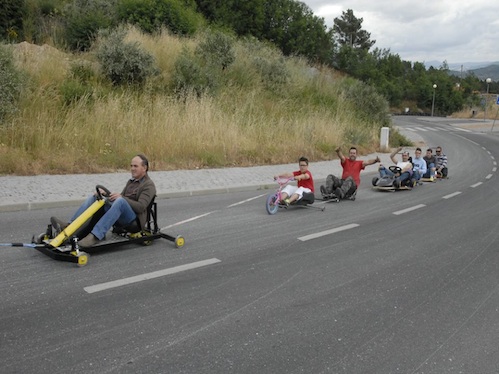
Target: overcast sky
[[456, 31]]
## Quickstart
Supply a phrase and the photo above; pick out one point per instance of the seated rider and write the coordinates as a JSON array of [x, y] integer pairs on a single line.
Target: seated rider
[[441, 165], [405, 165], [350, 178], [290, 193], [419, 166], [431, 162], [125, 207]]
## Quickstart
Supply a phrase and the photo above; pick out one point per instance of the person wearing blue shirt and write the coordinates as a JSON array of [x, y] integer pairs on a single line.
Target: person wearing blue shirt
[[419, 167]]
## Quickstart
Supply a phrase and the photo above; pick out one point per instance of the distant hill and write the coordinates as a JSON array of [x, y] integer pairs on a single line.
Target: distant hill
[[482, 70], [458, 65], [491, 71]]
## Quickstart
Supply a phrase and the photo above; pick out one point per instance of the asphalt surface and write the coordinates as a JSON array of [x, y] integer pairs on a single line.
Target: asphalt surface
[[46, 191], [357, 288]]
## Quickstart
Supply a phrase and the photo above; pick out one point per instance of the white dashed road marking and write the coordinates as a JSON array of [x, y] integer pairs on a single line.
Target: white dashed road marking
[[187, 220], [146, 276], [327, 232], [451, 195], [245, 201], [399, 212]]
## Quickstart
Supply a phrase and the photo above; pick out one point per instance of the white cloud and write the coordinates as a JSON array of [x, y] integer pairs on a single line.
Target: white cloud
[[453, 31]]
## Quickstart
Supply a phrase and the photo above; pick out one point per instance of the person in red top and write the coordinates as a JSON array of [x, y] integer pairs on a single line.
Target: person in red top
[[350, 179], [305, 183]]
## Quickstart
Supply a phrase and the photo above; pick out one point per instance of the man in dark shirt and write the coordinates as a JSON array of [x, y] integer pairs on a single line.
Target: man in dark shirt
[[431, 162], [125, 207]]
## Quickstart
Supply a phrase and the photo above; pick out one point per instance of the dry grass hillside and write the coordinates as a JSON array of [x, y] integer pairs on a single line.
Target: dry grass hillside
[[244, 123]]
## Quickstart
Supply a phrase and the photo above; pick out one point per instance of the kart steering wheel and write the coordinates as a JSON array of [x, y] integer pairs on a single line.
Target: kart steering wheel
[[100, 195], [395, 169]]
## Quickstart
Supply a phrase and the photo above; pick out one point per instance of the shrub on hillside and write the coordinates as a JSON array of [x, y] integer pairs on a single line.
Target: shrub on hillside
[[178, 16], [217, 50], [274, 72], [81, 71], [396, 139], [84, 18], [190, 76], [369, 104], [73, 91], [10, 83], [122, 62], [201, 72], [40, 20]]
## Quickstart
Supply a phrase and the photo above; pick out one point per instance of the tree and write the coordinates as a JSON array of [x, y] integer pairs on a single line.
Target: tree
[[289, 24], [84, 18], [293, 27], [348, 32], [244, 17], [11, 19], [179, 16]]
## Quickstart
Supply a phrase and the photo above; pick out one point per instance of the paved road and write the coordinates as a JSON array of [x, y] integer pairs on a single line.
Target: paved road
[[25, 193], [358, 288]]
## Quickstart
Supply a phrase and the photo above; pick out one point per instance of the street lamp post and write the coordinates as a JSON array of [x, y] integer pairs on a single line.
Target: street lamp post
[[488, 80], [433, 101]]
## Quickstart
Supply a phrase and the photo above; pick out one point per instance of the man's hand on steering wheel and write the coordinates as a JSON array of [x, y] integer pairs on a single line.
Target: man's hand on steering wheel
[[102, 192], [395, 170], [114, 196]]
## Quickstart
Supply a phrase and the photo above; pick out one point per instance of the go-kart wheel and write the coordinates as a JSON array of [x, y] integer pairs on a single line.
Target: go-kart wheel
[[101, 195], [146, 242], [375, 181], [82, 259], [395, 169], [179, 241], [271, 204]]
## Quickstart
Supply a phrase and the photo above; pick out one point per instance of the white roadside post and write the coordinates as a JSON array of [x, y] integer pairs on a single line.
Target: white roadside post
[[383, 139]]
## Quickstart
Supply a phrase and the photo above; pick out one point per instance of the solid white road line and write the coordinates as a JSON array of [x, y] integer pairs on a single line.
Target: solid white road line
[[186, 220], [154, 274], [245, 201], [409, 209], [451, 195], [476, 184], [327, 232]]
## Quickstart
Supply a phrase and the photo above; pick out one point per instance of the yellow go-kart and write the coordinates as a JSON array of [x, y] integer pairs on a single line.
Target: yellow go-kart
[[62, 245]]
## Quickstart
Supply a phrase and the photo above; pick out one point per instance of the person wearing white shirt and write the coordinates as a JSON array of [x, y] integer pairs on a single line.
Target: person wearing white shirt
[[405, 165]]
